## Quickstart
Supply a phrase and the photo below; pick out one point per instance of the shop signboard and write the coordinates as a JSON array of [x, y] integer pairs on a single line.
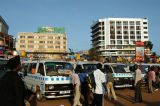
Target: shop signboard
[[60, 30], [140, 53]]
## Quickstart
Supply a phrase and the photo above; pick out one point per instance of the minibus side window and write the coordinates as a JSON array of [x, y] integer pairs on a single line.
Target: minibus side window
[[24, 68], [41, 69], [32, 68], [107, 67]]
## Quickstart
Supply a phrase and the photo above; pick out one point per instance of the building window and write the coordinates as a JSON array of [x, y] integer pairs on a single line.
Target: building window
[[41, 41], [22, 36], [102, 23], [57, 47], [22, 41], [126, 37], [64, 37], [57, 42], [119, 37], [138, 37], [41, 46], [145, 36], [132, 37], [64, 43], [131, 32], [131, 22], [30, 36], [119, 42], [50, 37], [125, 27], [144, 22], [50, 46], [119, 32], [138, 28], [112, 22], [22, 46], [112, 41], [145, 27], [145, 32], [126, 42], [131, 27], [49, 41], [30, 46], [137, 22], [64, 47], [30, 41], [125, 32], [138, 32], [125, 22]]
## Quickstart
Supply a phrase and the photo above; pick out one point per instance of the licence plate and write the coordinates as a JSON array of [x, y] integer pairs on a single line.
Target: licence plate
[[64, 92]]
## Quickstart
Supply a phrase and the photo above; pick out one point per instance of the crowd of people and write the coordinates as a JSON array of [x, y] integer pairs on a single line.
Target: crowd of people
[[104, 82]]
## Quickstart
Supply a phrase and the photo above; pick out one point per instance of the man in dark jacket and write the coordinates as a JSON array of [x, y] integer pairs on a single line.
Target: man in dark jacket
[[12, 88]]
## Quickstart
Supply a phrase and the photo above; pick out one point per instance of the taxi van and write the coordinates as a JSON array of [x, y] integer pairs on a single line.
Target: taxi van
[[144, 71], [48, 78], [121, 73], [86, 66]]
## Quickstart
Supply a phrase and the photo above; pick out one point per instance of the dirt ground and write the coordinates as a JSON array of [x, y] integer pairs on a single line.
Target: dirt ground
[[125, 98]]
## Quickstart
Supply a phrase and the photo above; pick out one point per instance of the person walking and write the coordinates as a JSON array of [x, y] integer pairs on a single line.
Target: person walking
[[12, 88], [110, 89], [154, 78], [150, 89], [76, 84], [99, 77], [137, 84]]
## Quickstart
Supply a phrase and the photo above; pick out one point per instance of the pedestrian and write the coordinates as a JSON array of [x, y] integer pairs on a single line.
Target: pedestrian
[[110, 82], [137, 84], [154, 78], [150, 89], [98, 90], [12, 88], [84, 86], [76, 84]]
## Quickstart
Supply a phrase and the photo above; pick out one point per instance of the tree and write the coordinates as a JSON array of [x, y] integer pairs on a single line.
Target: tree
[[94, 54], [148, 44]]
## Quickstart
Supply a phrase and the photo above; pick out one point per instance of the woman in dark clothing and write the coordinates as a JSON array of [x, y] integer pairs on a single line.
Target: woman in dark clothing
[[12, 88]]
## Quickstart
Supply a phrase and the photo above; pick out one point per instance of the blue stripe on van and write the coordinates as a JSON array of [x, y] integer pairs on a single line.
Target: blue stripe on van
[[62, 79], [46, 79], [57, 79], [67, 78], [52, 79]]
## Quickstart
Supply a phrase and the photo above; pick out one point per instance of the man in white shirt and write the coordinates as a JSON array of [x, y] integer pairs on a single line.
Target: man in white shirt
[[98, 90], [137, 84]]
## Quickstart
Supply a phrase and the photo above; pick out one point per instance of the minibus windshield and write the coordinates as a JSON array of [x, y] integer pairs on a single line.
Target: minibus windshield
[[120, 68], [56, 68]]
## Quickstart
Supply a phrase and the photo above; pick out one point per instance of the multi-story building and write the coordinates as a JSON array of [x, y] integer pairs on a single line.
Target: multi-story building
[[116, 37], [3, 26], [6, 41], [42, 43]]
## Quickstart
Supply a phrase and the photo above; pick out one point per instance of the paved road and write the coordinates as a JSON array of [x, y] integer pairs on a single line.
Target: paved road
[[125, 98]]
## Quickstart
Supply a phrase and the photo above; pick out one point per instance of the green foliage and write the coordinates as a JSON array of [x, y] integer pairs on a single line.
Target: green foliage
[[148, 44], [94, 55]]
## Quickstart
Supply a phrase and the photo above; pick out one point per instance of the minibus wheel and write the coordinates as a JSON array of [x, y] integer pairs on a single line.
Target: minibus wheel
[[39, 95]]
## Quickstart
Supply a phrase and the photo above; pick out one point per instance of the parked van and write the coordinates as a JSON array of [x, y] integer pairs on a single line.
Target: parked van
[[121, 73], [87, 66], [48, 78]]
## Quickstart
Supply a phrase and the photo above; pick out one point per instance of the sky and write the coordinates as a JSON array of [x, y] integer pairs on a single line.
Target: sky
[[77, 16]]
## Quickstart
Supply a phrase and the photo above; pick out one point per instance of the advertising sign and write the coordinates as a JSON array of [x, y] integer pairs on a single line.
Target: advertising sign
[[140, 43], [60, 30], [140, 53]]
